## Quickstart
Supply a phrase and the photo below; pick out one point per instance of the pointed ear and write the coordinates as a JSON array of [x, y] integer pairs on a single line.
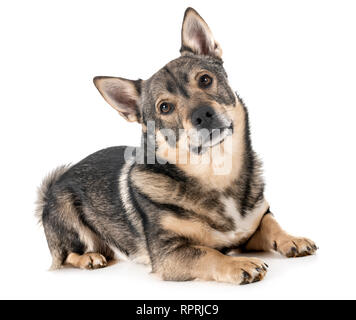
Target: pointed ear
[[197, 37], [121, 94]]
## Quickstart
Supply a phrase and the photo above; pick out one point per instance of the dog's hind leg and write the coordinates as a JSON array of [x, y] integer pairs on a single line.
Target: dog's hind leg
[[71, 241], [70, 237]]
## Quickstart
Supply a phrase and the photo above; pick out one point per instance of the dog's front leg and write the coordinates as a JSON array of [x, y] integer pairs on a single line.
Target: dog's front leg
[[198, 262], [270, 236]]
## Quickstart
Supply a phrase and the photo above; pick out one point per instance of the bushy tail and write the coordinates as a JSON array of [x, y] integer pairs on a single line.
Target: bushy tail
[[42, 191]]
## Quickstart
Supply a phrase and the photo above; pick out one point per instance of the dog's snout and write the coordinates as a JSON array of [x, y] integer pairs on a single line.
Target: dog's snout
[[205, 118]]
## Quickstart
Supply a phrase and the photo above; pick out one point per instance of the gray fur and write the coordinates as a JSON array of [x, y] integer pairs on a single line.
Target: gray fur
[[43, 189], [104, 203]]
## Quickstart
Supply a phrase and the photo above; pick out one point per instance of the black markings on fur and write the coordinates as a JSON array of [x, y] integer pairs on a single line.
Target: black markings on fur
[[178, 83], [184, 77], [185, 49], [77, 203], [185, 256], [268, 212], [275, 248], [189, 189], [138, 86], [141, 212], [249, 187], [170, 86], [61, 237], [167, 169], [175, 79], [225, 250], [224, 97]]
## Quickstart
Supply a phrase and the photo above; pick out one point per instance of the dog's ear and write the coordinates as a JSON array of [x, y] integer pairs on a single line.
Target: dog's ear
[[197, 37], [121, 94]]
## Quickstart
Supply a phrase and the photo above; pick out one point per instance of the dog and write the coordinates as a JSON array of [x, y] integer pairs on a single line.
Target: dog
[[182, 200]]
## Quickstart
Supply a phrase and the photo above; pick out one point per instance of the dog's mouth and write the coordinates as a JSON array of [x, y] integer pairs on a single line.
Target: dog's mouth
[[214, 138]]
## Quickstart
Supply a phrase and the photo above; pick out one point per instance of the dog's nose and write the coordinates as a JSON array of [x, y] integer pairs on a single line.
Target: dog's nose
[[205, 118]]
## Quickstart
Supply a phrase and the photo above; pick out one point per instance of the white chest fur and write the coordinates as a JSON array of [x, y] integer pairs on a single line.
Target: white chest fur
[[246, 225]]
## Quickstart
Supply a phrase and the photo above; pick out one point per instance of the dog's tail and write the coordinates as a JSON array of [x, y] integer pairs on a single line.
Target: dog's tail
[[43, 189]]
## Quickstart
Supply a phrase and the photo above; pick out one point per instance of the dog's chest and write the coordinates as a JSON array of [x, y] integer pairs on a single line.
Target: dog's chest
[[244, 225]]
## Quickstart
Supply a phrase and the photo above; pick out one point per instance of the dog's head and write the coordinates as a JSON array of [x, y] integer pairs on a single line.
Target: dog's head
[[189, 97]]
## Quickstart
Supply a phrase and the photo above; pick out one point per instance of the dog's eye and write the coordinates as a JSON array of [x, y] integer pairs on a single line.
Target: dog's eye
[[205, 81], [166, 107]]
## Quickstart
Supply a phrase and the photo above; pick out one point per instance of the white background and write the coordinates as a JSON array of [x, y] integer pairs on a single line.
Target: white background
[[293, 62]]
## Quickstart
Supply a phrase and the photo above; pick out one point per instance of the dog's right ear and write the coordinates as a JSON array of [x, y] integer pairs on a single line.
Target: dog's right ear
[[122, 95]]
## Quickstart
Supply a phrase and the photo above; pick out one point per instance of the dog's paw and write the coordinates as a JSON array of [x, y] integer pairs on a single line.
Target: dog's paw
[[241, 270], [292, 247], [92, 261]]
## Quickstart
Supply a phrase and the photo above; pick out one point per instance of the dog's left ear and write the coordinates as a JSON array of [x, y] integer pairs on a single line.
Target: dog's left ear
[[197, 37]]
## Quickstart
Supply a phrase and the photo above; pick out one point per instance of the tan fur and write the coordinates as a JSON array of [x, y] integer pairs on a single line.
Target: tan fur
[[88, 260], [182, 104], [201, 233], [213, 265], [171, 194], [271, 236], [90, 240], [163, 190], [197, 231], [68, 213], [205, 167]]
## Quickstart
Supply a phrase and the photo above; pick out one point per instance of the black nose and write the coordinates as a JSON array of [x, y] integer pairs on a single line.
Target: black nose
[[205, 118]]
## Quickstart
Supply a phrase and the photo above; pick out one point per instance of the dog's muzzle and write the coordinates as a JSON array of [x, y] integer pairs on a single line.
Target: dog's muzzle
[[210, 127]]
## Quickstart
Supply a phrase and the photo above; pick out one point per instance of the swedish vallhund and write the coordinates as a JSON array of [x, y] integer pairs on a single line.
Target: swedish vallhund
[[187, 196]]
